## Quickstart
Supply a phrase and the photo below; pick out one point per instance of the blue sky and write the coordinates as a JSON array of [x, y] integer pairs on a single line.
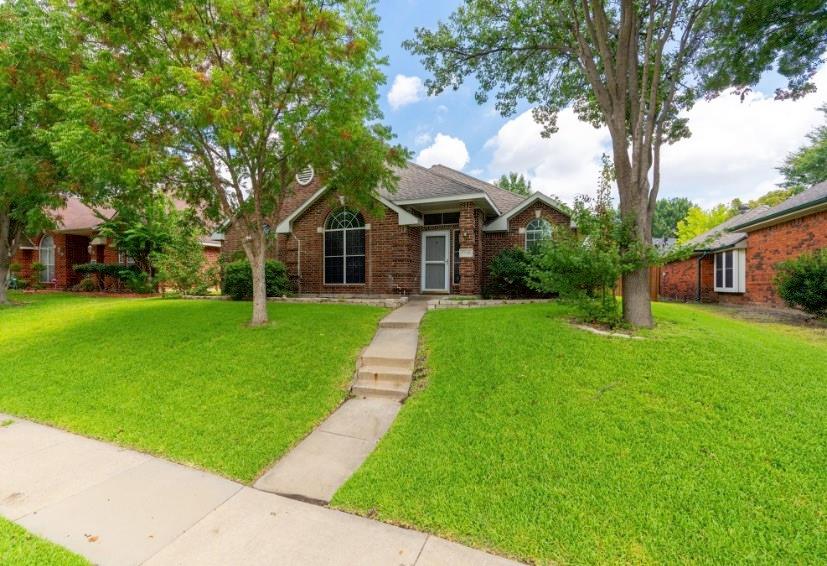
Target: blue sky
[[733, 151]]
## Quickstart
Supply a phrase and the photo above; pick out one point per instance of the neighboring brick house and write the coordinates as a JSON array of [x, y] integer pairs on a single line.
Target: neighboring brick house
[[75, 241], [436, 233], [735, 262]]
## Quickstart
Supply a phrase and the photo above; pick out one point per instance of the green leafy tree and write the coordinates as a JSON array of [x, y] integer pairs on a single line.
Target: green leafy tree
[[584, 266], [181, 263], [668, 212], [630, 66], [226, 101], [808, 165], [35, 57], [139, 231], [698, 221], [516, 183]]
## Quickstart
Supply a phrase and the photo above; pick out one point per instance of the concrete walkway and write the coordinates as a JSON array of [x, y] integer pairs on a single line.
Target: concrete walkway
[[117, 506], [323, 461]]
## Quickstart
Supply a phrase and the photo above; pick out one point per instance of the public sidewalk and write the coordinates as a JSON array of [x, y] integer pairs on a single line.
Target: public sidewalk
[[118, 506]]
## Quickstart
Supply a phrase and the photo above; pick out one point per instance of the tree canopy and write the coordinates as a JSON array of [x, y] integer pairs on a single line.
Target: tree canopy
[[668, 212], [808, 165], [225, 102], [35, 57], [515, 182]]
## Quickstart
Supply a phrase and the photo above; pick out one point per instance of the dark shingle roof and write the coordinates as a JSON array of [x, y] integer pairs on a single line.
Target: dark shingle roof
[[721, 236], [817, 194], [503, 199], [416, 182]]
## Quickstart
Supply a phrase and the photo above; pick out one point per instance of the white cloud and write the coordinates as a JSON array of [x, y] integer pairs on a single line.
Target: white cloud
[[423, 138], [445, 150], [736, 146], [733, 152], [566, 164], [405, 90]]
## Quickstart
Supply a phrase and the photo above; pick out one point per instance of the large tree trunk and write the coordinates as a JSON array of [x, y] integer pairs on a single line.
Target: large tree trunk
[[634, 199], [255, 249], [5, 256]]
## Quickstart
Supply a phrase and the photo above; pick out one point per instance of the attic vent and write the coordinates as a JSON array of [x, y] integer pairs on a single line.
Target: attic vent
[[305, 176]]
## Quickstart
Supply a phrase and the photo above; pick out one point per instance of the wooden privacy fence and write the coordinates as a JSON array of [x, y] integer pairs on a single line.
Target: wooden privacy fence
[[654, 283]]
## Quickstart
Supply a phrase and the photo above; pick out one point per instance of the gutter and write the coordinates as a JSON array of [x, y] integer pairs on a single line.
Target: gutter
[[780, 214]]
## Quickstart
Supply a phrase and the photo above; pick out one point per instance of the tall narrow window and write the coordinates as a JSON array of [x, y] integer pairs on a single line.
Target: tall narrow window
[[47, 258], [730, 270], [456, 257], [537, 231], [344, 248]]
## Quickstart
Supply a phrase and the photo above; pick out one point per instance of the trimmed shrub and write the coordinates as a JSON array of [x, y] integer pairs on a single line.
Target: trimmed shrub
[[802, 282], [508, 275], [237, 280]]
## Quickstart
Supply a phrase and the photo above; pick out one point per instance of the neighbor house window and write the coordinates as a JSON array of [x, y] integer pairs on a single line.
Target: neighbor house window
[[730, 271], [344, 248], [537, 231], [47, 258]]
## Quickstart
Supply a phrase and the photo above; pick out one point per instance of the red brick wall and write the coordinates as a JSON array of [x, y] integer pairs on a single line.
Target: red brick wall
[[391, 259], [495, 242], [679, 280], [233, 235], [769, 246]]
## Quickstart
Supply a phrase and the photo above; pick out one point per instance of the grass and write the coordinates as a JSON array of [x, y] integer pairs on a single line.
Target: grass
[[183, 379], [704, 443], [18, 546]]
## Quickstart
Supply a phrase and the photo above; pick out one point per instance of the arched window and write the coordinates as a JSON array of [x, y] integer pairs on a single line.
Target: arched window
[[344, 248], [47, 258], [537, 231]]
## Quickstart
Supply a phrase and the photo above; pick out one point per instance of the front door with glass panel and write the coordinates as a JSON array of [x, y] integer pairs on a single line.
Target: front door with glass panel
[[435, 261]]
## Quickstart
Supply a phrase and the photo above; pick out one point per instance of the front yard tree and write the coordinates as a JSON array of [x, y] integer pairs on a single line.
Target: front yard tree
[[34, 59], [239, 96], [628, 65]]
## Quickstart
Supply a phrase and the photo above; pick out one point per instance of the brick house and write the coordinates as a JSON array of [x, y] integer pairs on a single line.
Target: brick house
[[436, 233], [75, 241], [735, 261]]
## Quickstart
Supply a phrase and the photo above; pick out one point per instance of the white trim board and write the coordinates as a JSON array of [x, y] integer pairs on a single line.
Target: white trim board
[[286, 225], [500, 224]]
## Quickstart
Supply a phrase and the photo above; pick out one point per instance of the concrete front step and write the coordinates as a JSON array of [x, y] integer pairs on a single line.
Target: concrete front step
[[408, 316], [382, 389], [385, 373], [392, 347]]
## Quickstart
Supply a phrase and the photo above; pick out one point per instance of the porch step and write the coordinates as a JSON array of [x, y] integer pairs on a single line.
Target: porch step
[[369, 374], [383, 389], [408, 316], [392, 347]]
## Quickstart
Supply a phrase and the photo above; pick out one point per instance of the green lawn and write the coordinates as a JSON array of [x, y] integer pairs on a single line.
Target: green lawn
[[704, 443], [183, 379], [18, 546]]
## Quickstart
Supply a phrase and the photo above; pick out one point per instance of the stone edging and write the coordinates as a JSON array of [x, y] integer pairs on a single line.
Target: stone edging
[[480, 303], [376, 302], [373, 302]]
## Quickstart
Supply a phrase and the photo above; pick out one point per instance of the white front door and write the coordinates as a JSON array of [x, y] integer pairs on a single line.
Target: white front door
[[436, 261]]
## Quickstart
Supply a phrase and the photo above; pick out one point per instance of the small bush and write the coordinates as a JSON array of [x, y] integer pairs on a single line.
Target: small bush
[[237, 281], [802, 282], [508, 276], [86, 285]]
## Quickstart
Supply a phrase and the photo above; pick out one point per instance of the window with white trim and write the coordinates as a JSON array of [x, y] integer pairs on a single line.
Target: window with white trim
[[47, 258], [730, 271], [344, 248], [537, 232]]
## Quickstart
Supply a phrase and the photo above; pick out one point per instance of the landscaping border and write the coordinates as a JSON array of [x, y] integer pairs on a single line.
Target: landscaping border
[[481, 303]]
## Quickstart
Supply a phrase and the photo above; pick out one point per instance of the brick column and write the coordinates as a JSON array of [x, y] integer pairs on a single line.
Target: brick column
[[468, 250]]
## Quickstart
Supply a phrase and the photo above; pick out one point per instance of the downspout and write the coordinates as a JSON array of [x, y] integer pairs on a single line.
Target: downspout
[[298, 260], [700, 259]]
